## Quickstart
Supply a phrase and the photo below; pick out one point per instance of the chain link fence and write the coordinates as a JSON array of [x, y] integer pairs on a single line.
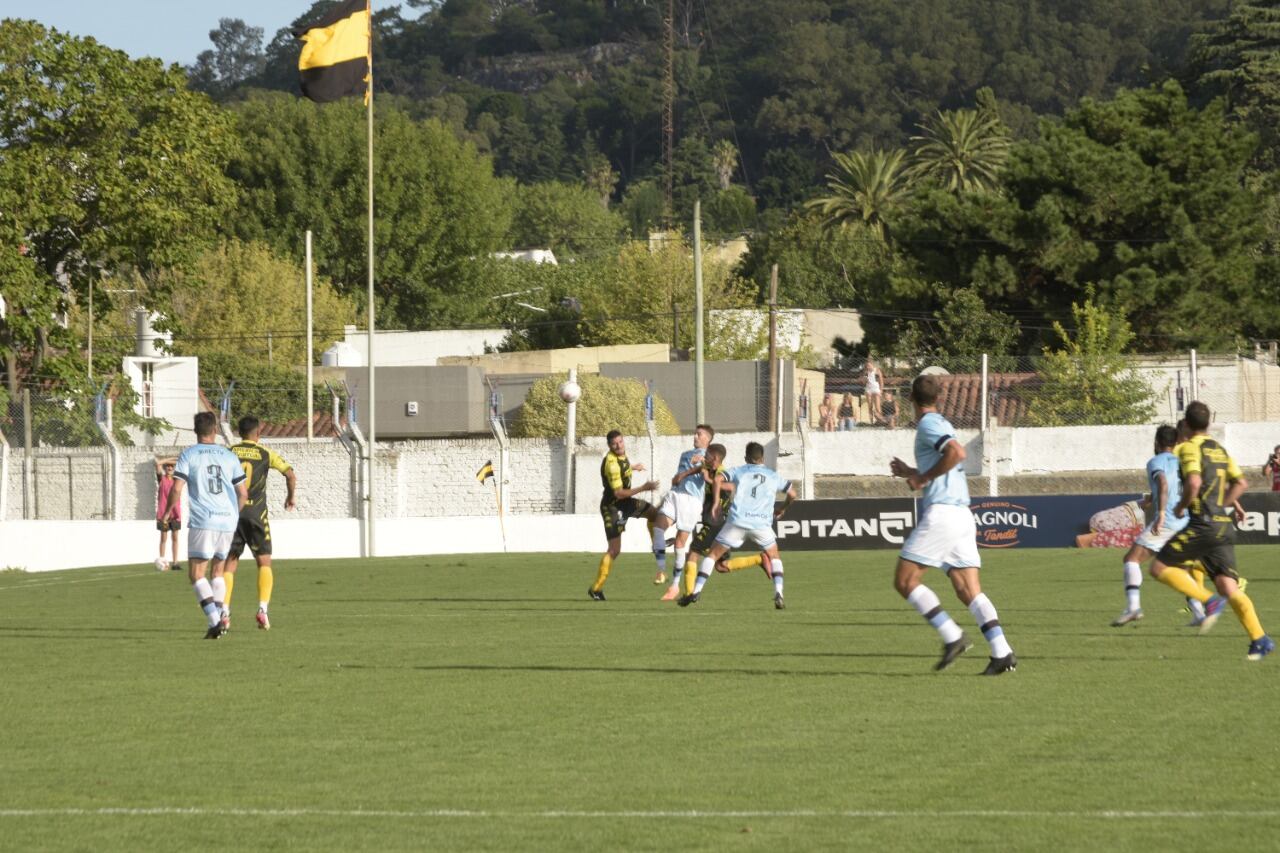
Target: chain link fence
[[1024, 409]]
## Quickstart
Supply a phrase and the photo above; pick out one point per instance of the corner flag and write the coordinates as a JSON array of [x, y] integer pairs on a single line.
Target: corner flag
[[485, 473], [336, 58]]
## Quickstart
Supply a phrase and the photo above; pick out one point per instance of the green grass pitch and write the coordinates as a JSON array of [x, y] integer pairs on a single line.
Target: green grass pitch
[[483, 703]]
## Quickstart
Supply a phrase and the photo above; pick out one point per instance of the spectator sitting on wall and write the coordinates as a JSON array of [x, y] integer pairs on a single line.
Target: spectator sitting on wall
[[848, 420], [827, 414], [889, 408]]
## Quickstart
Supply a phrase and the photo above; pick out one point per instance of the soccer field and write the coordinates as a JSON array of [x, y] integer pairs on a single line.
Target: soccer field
[[483, 703]]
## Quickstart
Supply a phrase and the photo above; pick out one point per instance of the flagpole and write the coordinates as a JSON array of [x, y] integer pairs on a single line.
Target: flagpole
[[373, 434]]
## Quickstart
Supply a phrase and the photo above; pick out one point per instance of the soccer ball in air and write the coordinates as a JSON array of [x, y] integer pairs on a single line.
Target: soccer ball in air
[[161, 565], [570, 392]]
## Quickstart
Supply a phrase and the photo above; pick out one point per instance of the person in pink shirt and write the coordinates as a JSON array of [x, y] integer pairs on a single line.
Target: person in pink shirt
[[169, 522]]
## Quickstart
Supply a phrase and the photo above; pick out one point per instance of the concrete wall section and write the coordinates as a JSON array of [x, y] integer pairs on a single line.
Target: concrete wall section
[[26, 544]]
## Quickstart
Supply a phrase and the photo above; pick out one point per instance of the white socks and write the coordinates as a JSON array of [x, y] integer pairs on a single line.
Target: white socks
[[204, 595], [984, 613], [1133, 586], [926, 603]]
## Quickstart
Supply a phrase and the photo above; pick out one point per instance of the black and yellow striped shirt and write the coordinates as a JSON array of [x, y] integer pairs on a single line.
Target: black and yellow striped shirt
[[615, 473], [1201, 455], [256, 461]]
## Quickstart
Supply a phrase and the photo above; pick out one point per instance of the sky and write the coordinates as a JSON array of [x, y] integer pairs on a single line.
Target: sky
[[174, 30]]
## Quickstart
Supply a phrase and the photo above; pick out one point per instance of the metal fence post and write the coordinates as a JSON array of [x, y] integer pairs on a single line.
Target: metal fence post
[[28, 472]]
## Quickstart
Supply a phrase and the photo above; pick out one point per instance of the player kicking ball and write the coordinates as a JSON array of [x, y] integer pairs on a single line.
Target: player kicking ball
[[751, 515], [945, 536]]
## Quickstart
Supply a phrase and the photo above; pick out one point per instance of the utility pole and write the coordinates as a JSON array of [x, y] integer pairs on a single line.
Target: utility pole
[[668, 111], [773, 349]]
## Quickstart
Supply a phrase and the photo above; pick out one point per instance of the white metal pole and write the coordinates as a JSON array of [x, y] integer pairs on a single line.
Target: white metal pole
[[1195, 384], [699, 397], [310, 353], [373, 395], [570, 445], [983, 397]]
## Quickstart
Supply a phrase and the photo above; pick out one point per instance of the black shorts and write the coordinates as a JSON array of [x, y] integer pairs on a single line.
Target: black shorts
[[616, 515], [1210, 542], [171, 524], [254, 531], [704, 537]]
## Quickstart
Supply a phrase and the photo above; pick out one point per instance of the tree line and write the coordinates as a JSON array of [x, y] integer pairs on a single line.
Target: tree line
[[966, 174]]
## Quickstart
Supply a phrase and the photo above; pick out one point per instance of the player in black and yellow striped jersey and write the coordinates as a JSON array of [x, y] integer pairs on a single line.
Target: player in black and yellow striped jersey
[[1212, 484], [618, 505], [254, 528], [713, 470]]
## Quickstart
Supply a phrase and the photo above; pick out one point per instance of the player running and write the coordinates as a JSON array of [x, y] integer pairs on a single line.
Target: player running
[[1165, 485], [618, 504], [212, 475], [945, 536], [254, 528], [1212, 484], [711, 472], [750, 515], [682, 506]]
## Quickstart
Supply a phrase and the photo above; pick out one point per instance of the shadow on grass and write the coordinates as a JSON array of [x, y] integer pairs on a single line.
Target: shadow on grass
[[640, 670]]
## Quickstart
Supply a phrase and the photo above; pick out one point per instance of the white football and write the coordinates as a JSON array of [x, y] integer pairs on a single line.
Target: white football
[[570, 392], [161, 565]]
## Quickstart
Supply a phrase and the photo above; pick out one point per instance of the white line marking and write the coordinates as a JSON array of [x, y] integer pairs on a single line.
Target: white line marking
[[60, 582], [874, 814]]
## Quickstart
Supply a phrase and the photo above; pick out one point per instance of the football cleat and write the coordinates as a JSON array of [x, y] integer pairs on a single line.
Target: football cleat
[[778, 602], [1261, 647], [215, 632], [225, 621], [672, 593], [767, 565], [1126, 617], [595, 594], [1212, 610], [264, 622], [691, 598], [953, 650], [660, 578], [999, 666]]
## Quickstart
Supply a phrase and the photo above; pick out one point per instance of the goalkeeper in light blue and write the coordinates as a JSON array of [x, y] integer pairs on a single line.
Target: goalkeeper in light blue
[[751, 514]]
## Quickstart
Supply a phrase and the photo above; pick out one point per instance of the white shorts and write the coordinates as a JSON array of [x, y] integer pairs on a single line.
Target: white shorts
[[732, 536], [945, 537], [208, 544], [1153, 542], [682, 508]]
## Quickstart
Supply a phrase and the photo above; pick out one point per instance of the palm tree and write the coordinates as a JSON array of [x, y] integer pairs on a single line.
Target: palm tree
[[864, 188], [725, 157], [963, 150]]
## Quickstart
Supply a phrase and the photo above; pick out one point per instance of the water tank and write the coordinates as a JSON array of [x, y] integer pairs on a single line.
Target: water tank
[[341, 354], [150, 343]]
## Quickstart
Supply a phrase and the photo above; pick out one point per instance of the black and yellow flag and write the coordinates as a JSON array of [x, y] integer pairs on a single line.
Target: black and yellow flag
[[486, 472], [336, 59]]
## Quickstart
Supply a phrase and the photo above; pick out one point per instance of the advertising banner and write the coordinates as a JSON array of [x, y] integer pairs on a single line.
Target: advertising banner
[[1027, 521], [844, 525]]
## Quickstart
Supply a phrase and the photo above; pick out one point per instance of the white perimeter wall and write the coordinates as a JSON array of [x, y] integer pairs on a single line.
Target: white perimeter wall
[[430, 502]]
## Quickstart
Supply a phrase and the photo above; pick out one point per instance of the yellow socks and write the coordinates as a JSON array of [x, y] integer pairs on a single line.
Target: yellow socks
[[739, 563], [1243, 606], [1197, 573], [602, 573], [265, 581], [230, 578], [1181, 581], [690, 577]]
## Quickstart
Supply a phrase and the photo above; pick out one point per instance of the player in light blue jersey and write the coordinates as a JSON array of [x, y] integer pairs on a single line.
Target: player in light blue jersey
[[213, 478], [751, 514], [1165, 483], [683, 507], [945, 536]]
